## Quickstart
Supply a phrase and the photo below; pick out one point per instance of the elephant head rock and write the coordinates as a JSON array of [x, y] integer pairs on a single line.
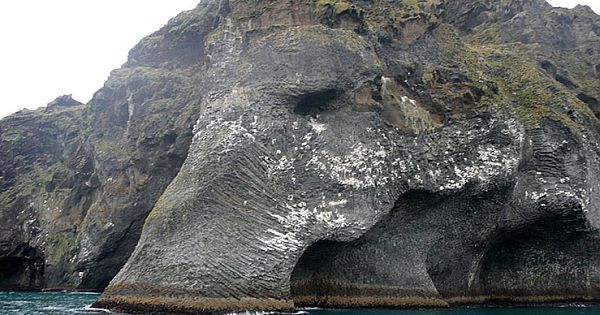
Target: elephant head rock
[[365, 154], [373, 153]]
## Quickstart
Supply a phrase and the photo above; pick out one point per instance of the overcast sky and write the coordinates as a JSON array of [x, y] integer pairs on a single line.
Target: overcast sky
[[54, 47], [50, 48]]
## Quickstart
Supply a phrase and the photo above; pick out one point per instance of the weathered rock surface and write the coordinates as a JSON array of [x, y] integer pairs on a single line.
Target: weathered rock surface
[[64, 101], [77, 181], [343, 153]]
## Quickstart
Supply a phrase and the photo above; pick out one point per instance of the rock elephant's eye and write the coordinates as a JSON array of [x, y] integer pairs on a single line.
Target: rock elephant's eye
[[317, 102]]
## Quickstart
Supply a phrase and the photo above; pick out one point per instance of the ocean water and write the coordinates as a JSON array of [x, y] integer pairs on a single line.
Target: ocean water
[[30, 303], [469, 311], [50, 303]]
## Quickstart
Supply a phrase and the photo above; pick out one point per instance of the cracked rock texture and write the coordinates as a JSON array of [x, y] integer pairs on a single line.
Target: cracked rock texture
[[275, 154]]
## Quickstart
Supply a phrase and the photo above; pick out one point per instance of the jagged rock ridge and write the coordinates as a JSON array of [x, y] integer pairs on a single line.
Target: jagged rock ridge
[[343, 153]]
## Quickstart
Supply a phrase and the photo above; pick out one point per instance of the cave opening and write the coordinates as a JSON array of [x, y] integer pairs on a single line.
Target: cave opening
[[375, 269], [432, 248], [311, 280], [22, 270], [543, 259], [314, 103]]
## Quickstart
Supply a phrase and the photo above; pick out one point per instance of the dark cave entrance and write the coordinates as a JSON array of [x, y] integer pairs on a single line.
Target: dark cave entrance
[[374, 269], [314, 103], [553, 257], [23, 269], [309, 284], [338, 274]]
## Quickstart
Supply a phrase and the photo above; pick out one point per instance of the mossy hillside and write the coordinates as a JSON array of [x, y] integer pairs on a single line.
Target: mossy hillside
[[36, 148], [62, 122], [415, 9], [341, 6], [60, 245], [522, 85], [577, 67], [176, 114], [40, 153], [482, 86], [536, 96], [178, 43], [396, 17], [557, 35], [462, 86], [155, 104]]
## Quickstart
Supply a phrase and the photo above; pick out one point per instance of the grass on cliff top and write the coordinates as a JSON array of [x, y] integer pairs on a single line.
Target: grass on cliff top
[[544, 43], [42, 131], [384, 14], [531, 93], [535, 95]]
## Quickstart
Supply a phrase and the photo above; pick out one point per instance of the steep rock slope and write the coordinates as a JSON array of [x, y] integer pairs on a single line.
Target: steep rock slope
[[79, 180], [381, 153], [341, 153]]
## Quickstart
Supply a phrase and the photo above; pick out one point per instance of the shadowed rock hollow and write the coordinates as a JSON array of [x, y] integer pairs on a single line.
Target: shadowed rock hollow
[[344, 154]]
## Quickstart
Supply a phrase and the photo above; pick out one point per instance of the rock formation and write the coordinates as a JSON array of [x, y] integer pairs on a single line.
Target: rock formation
[[324, 153]]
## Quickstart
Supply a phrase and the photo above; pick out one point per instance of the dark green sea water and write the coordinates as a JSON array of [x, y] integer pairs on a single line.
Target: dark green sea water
[[31, 303], [467, 311], [26, 303]]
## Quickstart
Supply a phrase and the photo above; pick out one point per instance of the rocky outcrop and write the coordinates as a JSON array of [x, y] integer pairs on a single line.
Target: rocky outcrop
[[77, 181], [63, 100], [321, 153]]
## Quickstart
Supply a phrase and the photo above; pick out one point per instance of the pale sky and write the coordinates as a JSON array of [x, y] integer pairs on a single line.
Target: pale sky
[[594, 4], [54, 47], [51, 48]]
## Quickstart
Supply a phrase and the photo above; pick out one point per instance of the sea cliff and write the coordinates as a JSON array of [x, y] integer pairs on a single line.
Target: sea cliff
[[264, 155]]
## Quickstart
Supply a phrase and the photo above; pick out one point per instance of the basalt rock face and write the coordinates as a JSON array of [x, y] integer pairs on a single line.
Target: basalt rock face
[[379, 153], [322, 153], [77, 181]]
